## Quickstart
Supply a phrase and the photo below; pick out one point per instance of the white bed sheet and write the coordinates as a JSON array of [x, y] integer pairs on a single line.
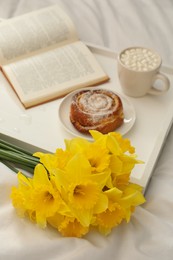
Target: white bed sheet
[[115, 24]]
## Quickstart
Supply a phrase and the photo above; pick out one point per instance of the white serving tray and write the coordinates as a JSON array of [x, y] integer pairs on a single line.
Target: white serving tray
[[39, 127]]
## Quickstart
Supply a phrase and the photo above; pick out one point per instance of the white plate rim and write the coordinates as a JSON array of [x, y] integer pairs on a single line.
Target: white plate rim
[[64, 112]]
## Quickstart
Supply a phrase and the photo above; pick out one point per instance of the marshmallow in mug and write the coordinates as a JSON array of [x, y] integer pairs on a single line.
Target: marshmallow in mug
[[140, 59], [138, 70]]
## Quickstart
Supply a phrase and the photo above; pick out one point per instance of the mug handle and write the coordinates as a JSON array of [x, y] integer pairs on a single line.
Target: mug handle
[[165, 85]]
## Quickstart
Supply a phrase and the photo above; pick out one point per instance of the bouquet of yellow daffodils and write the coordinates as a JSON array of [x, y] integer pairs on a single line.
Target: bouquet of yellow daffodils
[[85, 186]]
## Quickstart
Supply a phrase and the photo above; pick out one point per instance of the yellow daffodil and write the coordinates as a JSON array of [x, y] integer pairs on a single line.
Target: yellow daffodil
[[20, 194], [74, 229], [39, 195], [109, 218], [113, 215], [68, 226], [121, 205], [124, 144], [86, 185], [132, 197], [53, 161], [81, 190], [98, 157], [76, 145], [98, 160]]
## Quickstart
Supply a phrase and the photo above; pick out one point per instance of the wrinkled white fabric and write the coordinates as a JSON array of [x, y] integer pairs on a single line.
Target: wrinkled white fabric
[[149, 235]]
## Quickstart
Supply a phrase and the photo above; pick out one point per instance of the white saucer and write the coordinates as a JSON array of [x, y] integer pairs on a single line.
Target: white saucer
[[64, 112]]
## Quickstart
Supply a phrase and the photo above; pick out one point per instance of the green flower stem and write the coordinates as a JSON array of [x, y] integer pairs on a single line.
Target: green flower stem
[[18, 168], [30, 158], [8, 148], [13, 157], [10, 166], [12, 147], [17, 162], [17, 158]]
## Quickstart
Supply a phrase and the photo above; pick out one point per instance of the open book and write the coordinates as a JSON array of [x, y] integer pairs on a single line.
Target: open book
[[42, 57]]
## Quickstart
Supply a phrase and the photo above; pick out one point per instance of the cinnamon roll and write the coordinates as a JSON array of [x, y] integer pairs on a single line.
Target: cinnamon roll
[[97, 109]]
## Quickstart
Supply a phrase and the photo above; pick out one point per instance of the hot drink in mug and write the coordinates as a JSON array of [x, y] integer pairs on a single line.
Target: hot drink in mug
[[138, 70]]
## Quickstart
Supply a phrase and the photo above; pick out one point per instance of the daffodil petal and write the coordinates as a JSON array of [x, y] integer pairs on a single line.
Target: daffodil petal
[[113, 145], [101, 178], [78, 168], [83, 216], [76, 145], [38, 154], [40, 175], [95, 134], [114, 194], [102, 204], [116, 164], [23, 180]]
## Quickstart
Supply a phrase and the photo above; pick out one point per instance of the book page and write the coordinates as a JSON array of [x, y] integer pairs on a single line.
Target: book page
[[34, 32], [54, 73]]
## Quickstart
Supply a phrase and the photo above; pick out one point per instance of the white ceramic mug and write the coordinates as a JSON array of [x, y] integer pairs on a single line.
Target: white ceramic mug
[[138, 70]]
